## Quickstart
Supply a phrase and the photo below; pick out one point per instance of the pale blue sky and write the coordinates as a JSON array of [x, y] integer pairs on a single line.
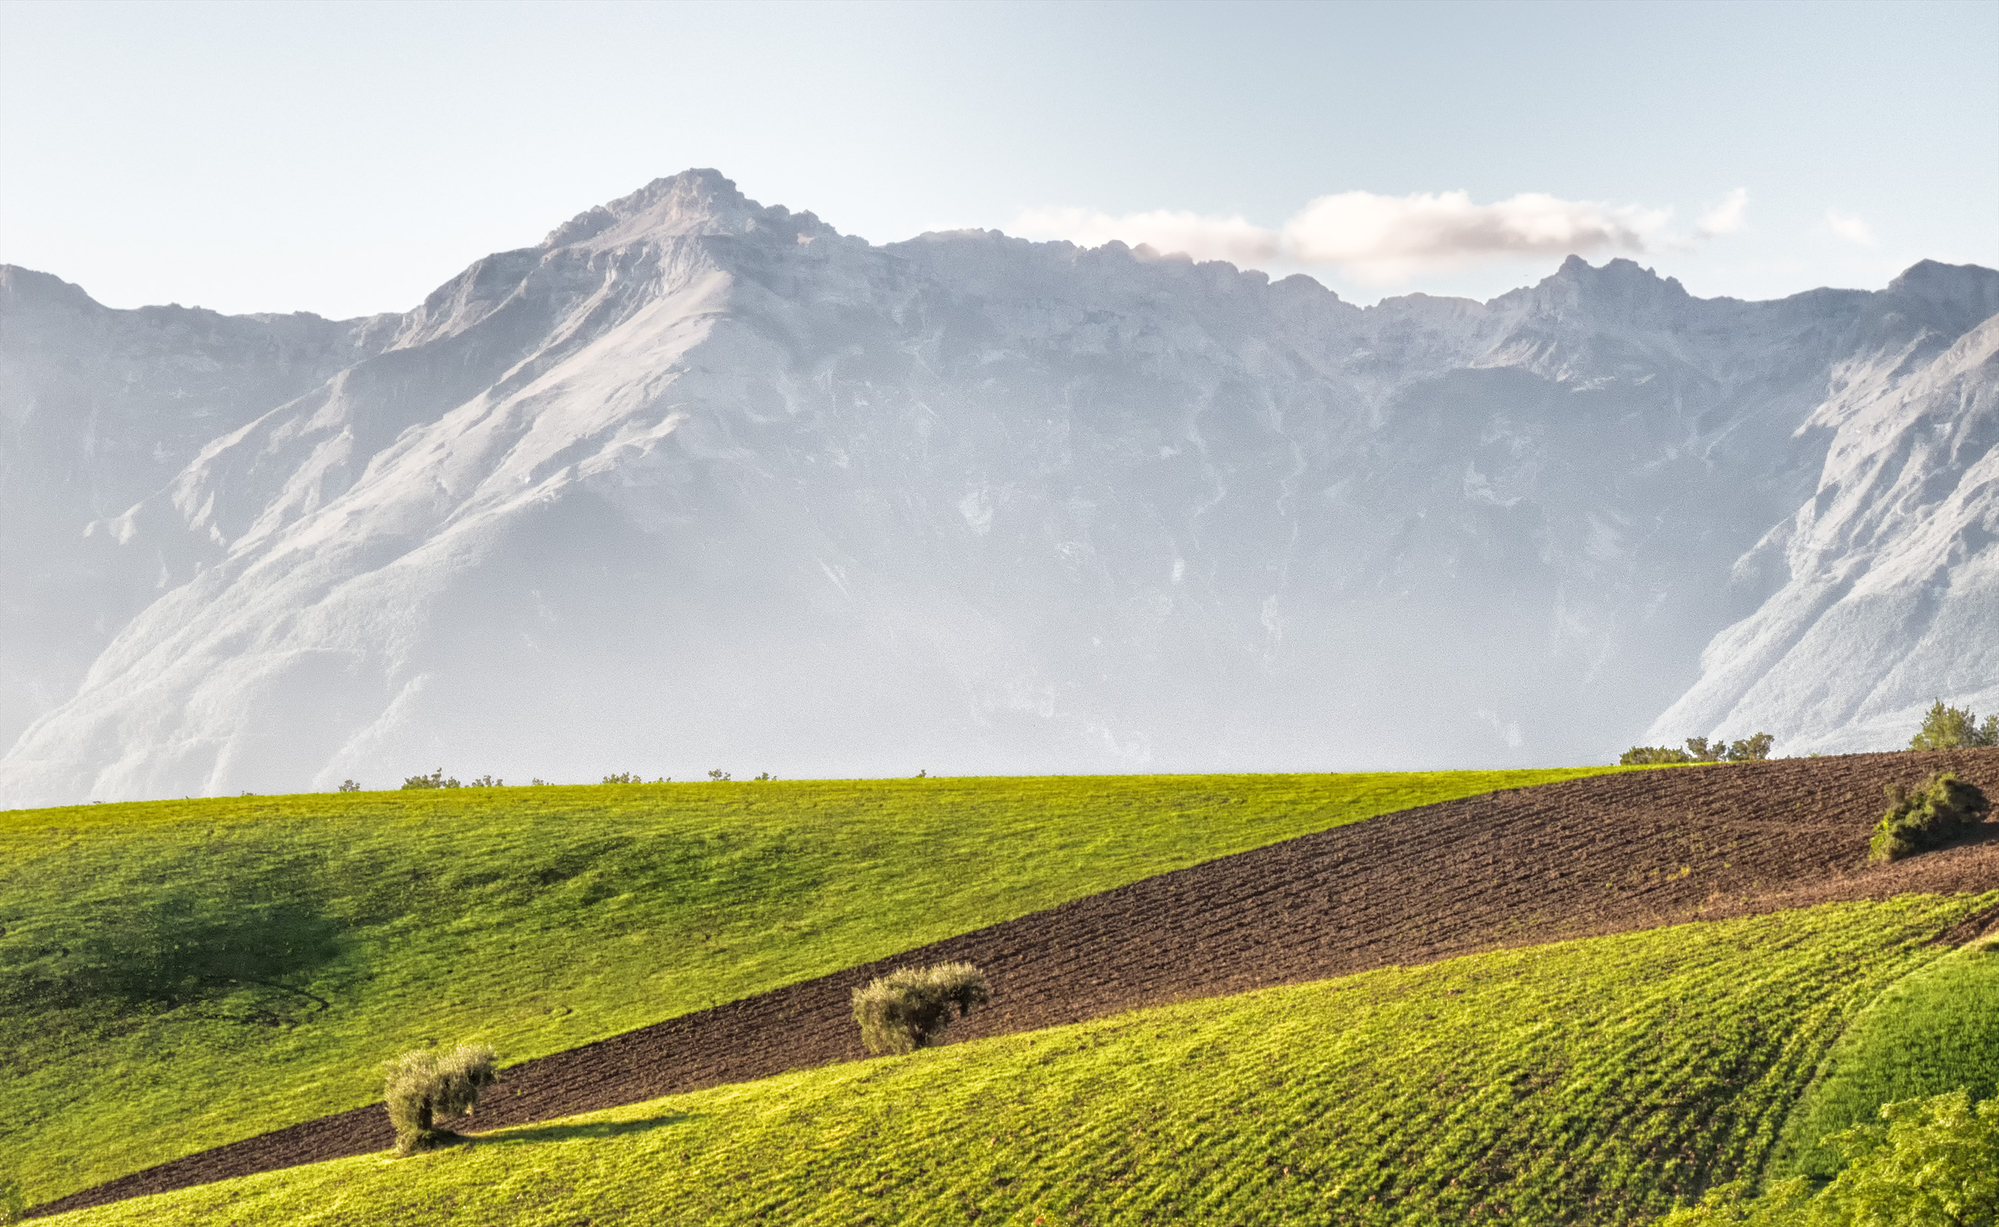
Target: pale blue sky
[[348, 158]]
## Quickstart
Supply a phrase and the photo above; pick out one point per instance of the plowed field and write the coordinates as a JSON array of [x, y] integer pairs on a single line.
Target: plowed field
[[1598, 855]]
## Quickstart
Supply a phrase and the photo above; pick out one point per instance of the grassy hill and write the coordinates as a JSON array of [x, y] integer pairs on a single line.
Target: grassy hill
[[1588, 1081], [175, 975], [1933, 1032]]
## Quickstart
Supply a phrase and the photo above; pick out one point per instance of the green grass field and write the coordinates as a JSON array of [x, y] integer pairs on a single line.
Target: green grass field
[[1582, 1082], [175, 975], [1936, 1031]]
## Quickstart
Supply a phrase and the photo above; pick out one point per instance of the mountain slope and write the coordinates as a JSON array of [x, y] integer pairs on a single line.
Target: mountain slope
[[99, 409], [700, 482], [1893, 593]]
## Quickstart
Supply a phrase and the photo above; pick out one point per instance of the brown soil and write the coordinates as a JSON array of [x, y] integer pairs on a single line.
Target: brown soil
[[1599, 855]]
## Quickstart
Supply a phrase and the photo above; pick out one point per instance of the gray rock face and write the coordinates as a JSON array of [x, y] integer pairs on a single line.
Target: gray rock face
[[1892, 595], [99, 409], [698, 482]]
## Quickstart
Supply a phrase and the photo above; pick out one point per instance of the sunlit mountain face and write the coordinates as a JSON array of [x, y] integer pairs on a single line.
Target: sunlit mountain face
[[699, 483]]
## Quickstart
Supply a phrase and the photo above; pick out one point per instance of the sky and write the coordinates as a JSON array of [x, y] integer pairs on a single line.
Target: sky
[[348, 158]]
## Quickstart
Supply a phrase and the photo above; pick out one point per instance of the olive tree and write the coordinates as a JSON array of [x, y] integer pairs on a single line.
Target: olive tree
[[424, 1085], [909, 1008]]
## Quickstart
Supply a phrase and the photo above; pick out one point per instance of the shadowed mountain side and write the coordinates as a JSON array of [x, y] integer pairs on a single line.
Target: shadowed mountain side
[[1585, 857], [99, 409]]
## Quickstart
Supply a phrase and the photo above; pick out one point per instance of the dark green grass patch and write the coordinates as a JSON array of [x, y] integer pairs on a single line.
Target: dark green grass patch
[[1581, 1082], [176, 975], [1936, 1031]]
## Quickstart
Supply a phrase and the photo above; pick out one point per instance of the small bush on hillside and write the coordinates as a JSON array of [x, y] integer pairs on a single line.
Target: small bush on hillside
[[1954, 728], [719, 776], [434, 780], [487, 781], [1943, 810], [1934, 1163], [909, 1008], [425, 1085], [350, 786], [623, 777]]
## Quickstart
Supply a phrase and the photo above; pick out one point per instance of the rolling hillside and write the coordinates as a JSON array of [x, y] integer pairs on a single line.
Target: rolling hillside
[[1628, 852], [1592, 1081], [284, 947]]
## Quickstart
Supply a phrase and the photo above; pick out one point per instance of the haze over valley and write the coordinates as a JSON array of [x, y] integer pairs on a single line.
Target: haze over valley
[[698, 482]]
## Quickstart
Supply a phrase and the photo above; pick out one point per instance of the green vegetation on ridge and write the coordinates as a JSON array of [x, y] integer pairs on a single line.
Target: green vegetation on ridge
[[153, 954], [1951, 728], [1752, 749], [1590, 1081]]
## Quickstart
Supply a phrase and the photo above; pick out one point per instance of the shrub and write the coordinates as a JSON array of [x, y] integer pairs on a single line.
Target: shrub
[[425, 1085], [487, 781], [1944, 809], [350, 786], [434, 780], [1750, 749], [1645, 755], [718, 775], [909, 1008], [1700, 750], [1953, 728], [623, 777]]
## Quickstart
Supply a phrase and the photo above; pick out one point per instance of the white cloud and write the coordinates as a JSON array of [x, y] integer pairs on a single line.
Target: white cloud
[[1726, 217], [1383, 238], [1848, 227], [1204, 238]]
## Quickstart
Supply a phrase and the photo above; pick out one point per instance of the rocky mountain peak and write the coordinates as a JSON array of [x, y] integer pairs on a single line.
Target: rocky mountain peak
[[1618, 296], [697, 201], [716, 494], [1967, 288], [1615, 280], [26, 283]]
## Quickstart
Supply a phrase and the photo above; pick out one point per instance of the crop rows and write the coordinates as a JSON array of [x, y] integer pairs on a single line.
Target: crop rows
[[153, 954], [1563, 860], [1588, 1081]]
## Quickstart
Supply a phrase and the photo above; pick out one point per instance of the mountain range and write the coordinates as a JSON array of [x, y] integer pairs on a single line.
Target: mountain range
[[698, 484]]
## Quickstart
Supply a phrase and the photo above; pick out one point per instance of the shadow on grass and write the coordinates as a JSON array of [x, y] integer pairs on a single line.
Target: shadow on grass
[[590, 1130]]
